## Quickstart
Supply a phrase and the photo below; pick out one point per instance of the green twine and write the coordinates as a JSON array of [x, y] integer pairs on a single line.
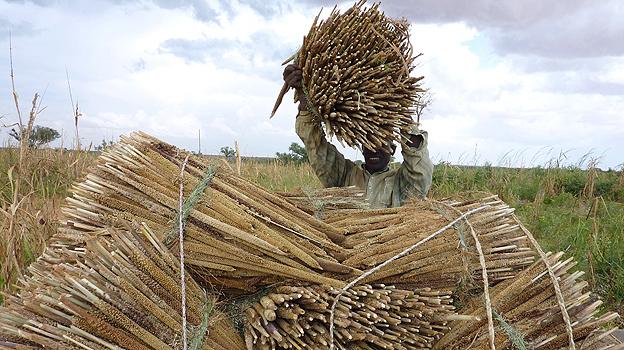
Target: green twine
[[189, 204], [311, 107], [235, 308], [458, 227], [197, 339], [516, 338], [199, 333]]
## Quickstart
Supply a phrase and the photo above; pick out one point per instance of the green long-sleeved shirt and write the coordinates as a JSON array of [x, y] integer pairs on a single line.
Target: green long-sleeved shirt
[[389, 188]]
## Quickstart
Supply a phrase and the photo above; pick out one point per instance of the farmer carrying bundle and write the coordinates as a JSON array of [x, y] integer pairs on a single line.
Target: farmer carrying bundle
[[352, 73]]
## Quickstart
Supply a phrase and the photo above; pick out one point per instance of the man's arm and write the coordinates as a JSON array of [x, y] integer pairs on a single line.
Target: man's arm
[[328, 163], [414, 177]]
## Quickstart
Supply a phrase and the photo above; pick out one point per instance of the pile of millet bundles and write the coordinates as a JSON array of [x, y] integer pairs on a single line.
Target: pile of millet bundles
[[527, 315], [109, 279], [367, 317], [238, 236], [374, 236], [125, 294], [356, 75]]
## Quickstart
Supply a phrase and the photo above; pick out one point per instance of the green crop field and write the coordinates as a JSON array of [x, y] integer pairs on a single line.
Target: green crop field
[[570, 209]]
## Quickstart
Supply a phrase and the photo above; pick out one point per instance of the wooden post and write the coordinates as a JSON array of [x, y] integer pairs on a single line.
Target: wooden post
[[238, 158]]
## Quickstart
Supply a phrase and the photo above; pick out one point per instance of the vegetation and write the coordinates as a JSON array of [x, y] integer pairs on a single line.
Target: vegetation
[[228, 152], [39, 136], [297, 155], [103, 145]]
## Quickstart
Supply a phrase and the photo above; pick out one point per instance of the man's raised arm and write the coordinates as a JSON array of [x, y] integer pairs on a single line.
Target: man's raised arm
[[328, 163]]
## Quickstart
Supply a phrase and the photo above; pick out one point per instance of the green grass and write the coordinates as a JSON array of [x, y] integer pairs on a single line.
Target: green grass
[[594, 236], [568, 209]]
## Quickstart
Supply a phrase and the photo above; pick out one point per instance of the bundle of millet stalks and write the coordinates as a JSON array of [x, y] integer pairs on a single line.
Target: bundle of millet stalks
[[238, 236], [262, 271], [368, 316], [374, 236], [356, 70], [322, 202], [528, 315], [124, 293]]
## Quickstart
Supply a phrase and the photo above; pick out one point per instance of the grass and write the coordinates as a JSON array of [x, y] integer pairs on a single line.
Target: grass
[[31, 193], [567, 208]]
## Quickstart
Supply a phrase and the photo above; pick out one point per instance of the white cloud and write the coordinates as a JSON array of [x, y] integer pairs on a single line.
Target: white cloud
[[174, 70], [498, 108]]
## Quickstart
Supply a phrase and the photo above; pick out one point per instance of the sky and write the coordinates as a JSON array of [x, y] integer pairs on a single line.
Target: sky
[[513, 83]]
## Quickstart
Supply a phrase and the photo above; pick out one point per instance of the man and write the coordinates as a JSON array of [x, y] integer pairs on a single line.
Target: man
[[384, 187]]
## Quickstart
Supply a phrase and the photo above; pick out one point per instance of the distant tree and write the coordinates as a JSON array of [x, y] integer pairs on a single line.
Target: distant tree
[[297, 155], [104, 145], [228, 152], [39, 136], [423, 102]]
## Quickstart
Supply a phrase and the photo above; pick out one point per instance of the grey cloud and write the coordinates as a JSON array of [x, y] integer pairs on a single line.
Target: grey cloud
[[205, 12], [260, 44], [194, 50], [15, 28], [556, 28], [200, 8], [584, 85], [532, 64], [480, 13], [36, 2], [574, 75], [595, 31], [265, 8]]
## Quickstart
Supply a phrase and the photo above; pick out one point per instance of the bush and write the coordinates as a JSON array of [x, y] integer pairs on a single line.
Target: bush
[[297, 155], [39, 136]]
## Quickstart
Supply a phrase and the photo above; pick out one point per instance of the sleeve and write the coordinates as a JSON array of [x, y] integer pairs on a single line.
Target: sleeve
[[328, 163], [415, 174]]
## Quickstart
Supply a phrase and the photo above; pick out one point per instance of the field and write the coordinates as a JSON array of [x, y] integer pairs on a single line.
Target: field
[[568, 208]]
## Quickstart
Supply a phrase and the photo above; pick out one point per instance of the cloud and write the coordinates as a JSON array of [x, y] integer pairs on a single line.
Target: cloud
[[557, 28], [175, 68], [592, 30], [210, 10], [250, 55], [488, 103]]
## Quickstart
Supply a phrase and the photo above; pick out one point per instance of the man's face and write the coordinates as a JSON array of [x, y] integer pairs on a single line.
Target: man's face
[[378, 160]]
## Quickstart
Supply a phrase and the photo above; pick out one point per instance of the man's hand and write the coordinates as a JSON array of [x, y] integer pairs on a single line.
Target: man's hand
[[415, 141], [294, 78], [415, 138]]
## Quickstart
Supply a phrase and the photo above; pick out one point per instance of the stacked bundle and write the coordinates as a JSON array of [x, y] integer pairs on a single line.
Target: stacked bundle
[[529, 315], [126, 293], [106, 281], [356, 75], [328, 200], [367, 317], [238, 235], [375, 236]]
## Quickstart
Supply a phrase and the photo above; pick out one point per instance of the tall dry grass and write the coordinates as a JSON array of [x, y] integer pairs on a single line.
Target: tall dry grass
[[33, 185]]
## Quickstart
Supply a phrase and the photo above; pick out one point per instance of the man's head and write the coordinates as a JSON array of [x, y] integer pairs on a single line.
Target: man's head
[[377, 160]]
